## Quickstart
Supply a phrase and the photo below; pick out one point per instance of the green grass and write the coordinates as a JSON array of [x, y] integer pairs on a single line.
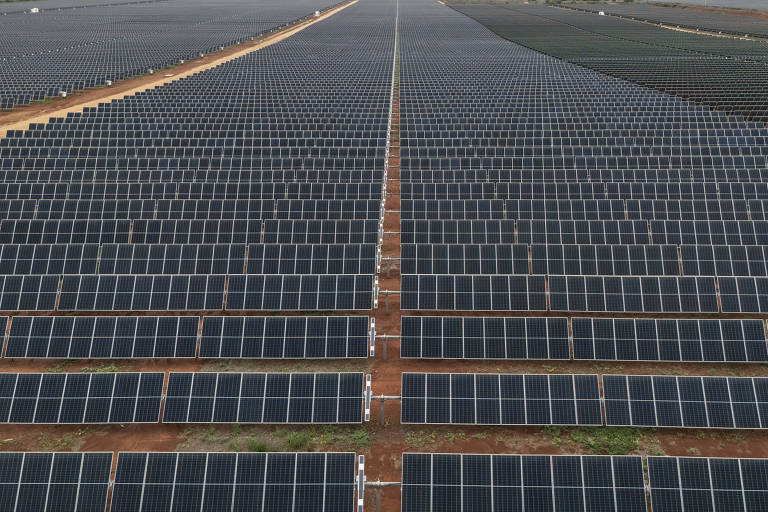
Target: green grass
[[104, 368], [598, 440], [257, 445]]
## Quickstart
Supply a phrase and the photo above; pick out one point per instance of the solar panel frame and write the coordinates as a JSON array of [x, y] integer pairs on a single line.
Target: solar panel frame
[[57, 337], [473, 292], [484, 338], [264, 398], [679, 340], [302, 292], [269, 337], [686, 402], [234, 481], [453, 482], [85, 398], [499, 399], [678, 483], [55, 480]]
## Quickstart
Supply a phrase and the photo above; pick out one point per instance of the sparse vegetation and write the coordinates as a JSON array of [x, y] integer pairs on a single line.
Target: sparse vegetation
[[598, 440], [419, 439], [104, 368]]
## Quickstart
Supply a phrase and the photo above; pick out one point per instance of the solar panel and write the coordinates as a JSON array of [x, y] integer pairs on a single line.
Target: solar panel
[[28, 292], [633, 294], [649, 339], [171, 259], [321, 232], [234, 481], [80, 398], [64, 231], [743, 294], [185, 231], [439, 482], [473, 293], [698, 402], [463, 209], [49, 259], [54, 481], [483, 338], [500, 399], [300, 292], [64, 337], [264, 398], [336, 337], [700, 483], [457, 231], [312, 259], [590, 232], [111, 292], [464, 259], [723, 260], [702, 232], [605, 260]]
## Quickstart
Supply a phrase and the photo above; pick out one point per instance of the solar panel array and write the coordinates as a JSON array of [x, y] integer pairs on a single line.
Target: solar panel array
[[455, 482], [177, 481], [79, 398], [700, 402], [567, 399], [689, 18], [136, 397], [602, 339], [234, 481], [54, 481], [264, 398], [498, 399], [719, 72], [690, 483], [128, 337], [107, 40]]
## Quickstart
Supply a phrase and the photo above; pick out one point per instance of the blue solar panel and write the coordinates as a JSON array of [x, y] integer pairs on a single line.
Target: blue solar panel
[[500, 399]]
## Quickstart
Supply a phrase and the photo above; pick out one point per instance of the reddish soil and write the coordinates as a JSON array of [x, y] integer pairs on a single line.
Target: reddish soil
[[719, 10]]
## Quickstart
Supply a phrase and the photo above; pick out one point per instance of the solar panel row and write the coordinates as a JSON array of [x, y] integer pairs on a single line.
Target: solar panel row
[[584, 232], [581, 191], [700, 402], [583, 259], [189, 259], [584, 293], [497, 399], [629, 400], [83, 398], [264, 398], [199, 481], [207, 190], [250, 337], [580, 209], [524, 175], [54, 481], [189, 231], [238, 482], [606, 339], [109, 292], [454, 482], [189, 209]]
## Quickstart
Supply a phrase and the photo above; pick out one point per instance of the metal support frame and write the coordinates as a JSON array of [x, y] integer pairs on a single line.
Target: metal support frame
[[360, 482], [372, 337], [384, 338], [381, 399], [368, 397], [386, 294]]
